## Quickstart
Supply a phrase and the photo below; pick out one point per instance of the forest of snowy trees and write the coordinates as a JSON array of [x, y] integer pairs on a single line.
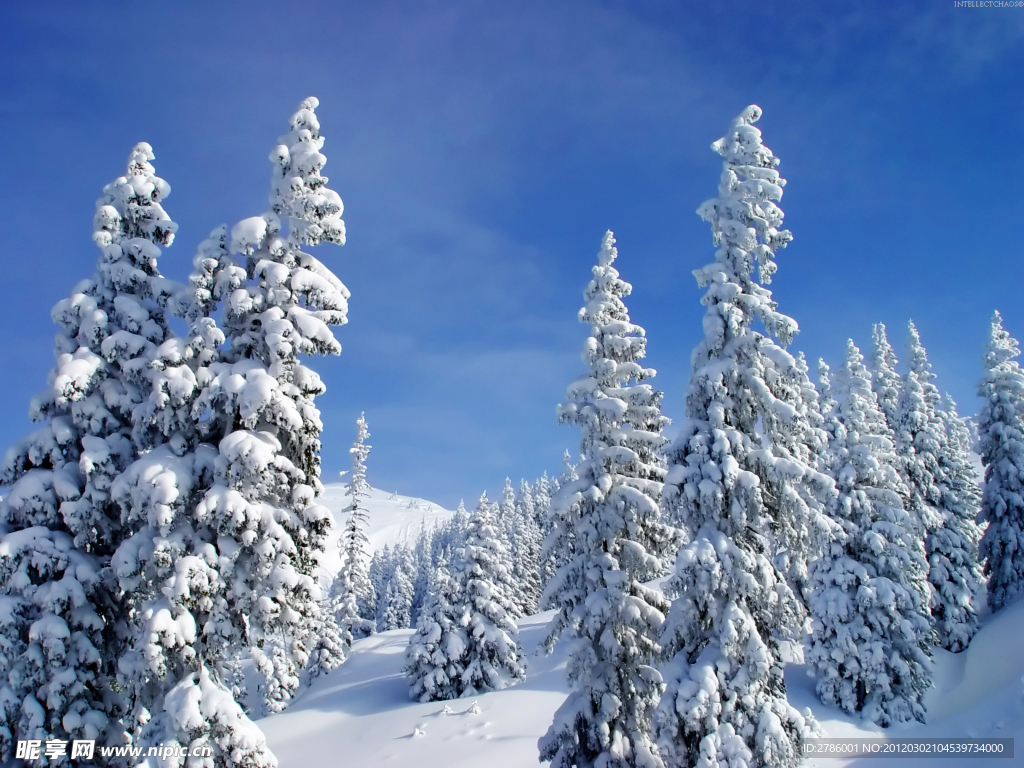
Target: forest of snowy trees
[[161, 530]]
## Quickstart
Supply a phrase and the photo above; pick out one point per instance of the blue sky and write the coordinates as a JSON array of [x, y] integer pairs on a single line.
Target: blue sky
[[482, 149]]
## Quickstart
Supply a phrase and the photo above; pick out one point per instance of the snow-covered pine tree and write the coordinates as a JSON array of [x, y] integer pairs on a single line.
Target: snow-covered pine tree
[[871, 638], [739, 490], [379, 573], [396, 604], [555, 548], [806, 443], [451, 536], [423, 569], [952, 534], [285, 311], [493, 658], [815, 440], [608, 525], [884, 380], [228, 535], [1001, 442], [828, 407], [962, 473], [504, 519], [436, 656], [506, 513], [568, 473], [505, 589], [59, 521], [543, 490], [912, 433], [526, 562], [354, 594]]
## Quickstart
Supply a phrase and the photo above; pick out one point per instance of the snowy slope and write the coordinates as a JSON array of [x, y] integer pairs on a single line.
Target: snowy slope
[[977, 693], [360, 715], [391, 518]]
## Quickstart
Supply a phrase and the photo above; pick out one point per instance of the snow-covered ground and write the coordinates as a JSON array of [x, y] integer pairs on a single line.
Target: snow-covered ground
[[360, 715]]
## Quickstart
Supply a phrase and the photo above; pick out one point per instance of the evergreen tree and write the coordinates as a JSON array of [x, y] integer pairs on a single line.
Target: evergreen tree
[[610, 618], [354, 594], [829, 460], [952, 535], [526, 562], [1001, 442], [423, 570], [493, 658], [871, 638], [735, 482], [60, 524], [379, 572], [504, 515], [556, 544], [804, 439], [451, 537], [884, 380], [915, 447], [436, 656], [962, 473], [228, 534], [543, 490], [395, 608], [504, 588]]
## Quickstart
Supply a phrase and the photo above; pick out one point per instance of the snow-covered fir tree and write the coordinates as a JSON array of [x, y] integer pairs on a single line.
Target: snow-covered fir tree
[[802, 437], [568, 473], [912, 433], [554, 549], [962, 475], [744, 495], [526, 558], [228, 535], [543, 490], [395, 603], [871, 639], [506, 512], [1001, 443], [436, 656], [59, 520], [505, 525], [52, 644], [379, 572], [608, 526], [423, 569], [354, 595], [451, 536], [493, 658], [885, 381], [951, 545]]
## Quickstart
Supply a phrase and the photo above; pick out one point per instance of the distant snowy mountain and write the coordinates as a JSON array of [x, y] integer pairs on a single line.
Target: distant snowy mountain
[[360, 715], [391, 518]]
